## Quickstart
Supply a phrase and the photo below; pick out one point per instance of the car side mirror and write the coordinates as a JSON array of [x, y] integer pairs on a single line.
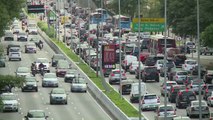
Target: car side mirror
[[46, 117], [25, 117]]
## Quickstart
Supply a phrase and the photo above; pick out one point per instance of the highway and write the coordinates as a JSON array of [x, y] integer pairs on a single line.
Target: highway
[[81, 106]]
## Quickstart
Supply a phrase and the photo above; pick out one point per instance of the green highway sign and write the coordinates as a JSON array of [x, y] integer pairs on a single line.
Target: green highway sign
[[148, 24], [51, 15]]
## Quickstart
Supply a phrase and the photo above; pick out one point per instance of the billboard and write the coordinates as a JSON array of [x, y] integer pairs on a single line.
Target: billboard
[[108, 56], [35, 8]]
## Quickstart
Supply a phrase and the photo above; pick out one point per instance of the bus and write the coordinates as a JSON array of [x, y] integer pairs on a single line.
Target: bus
[[157, 43], [95, 18], [124, 23], [104, 12]]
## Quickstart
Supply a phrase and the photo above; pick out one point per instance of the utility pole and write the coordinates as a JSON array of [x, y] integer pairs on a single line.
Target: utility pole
[[89, 30], [165, 59], [119, 37], [71, 45], [139, 67]]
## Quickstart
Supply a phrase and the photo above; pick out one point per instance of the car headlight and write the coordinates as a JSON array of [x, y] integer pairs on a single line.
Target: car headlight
[[35, 85]]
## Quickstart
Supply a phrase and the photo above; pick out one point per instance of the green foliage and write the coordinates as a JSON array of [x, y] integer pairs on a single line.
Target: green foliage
[[9, 9], [207, 36], [44, 27], [11, 80], [113, 95], [1, 50]]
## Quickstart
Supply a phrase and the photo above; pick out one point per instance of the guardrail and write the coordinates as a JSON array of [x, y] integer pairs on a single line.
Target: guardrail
[[97, 93]]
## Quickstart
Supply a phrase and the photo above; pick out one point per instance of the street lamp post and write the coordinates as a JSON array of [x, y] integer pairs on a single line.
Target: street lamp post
[[165, 58], [119, 9], [139, 66], [71, 45], [198, 56], [89, 30]]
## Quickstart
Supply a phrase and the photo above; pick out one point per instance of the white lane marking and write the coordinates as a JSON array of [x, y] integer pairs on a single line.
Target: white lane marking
[[47, 108], [49, 112], [75, 108], [51, 118], [79, 113], [82, 119]]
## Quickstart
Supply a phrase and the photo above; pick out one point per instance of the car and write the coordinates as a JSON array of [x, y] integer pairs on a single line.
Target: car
[[181, 118], [171, 111], [150, 73], [2, 61], [117, 56], [173, 92], [179, 60], [50, 80], [166, 86], [207, 91], [211, 116], [206, 50], [208, 77], [195, 85], [170, 65], [8, 36], [22, 36], [184, 98], [79, 85], [36, 115], [189, 64], [58, 95], [152, 59], [107, 71], [34, 39], [14, 53], [44, 61], [134, 66], [70, 75], [127, 61], [23, 71], [62, 67], [10, 45], [159, 64], [16, 29], [193, 109], [30, 48], [134, 93], [179, 76], [203, 71], [189, 79], [10, 102], [114, 77], [210, 99], [149, 102], [55, 59], [30, 84], [125, 86]]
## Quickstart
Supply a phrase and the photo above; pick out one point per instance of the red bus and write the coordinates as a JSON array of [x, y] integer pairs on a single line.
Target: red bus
[[157, 43]]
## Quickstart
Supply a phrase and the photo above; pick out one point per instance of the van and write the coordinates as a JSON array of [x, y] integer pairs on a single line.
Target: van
[[14, 53], [127, 61], [125, 86], [134, 94]]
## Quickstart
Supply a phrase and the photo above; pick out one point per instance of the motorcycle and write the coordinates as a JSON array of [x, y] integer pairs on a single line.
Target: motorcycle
[[42, 72]]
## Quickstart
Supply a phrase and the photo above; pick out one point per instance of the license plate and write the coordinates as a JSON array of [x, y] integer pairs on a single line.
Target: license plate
[[30, 87]]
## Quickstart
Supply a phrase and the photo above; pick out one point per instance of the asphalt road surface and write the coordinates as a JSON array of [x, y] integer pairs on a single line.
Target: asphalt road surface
[[81, 106]]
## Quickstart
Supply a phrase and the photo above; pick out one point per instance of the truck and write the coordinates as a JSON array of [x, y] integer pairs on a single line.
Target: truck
[[32, 27]]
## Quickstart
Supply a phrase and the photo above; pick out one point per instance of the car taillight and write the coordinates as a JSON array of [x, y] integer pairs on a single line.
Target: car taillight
[[174, 112], [158, 100], [211, 98], [164, 87], [176, 77], [130, 67], [180, 93], [112, 74], [123, 74], [173, 90], [207, 90]]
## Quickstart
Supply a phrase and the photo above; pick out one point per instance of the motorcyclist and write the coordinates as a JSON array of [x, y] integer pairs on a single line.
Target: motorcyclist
[[33, 69], [40, 44]]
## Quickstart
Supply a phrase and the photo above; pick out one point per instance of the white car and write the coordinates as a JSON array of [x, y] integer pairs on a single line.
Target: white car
[[210, 99], [16, 29], [22, 36], [10, 102], [44, 61], [134, 65], [36, 115], [58, 95], [167, 87], [79, 85], [50, 80], [193, 108], [159, 64], [189, 64], [171, 111], [150, 102], [23, 71]]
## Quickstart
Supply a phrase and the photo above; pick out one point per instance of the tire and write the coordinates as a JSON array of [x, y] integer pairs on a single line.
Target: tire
[[20, 59], [9, 59], [16, 110], [51, 102], [22, 90], [65, 103], [36, 89], [157, 80]]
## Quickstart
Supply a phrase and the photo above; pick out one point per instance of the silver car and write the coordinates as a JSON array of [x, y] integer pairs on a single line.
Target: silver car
[[70, 75], [150, 102], [58, 95], [50, 80], [23, 71], [10, 102], [36, 115], [114, 76], [180, 77], [22, 36], [30, 84], [171, 111], [193, 108], [79, 85], [195, 85]]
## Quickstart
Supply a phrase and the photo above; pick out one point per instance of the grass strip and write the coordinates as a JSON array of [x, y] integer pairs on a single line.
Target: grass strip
[[114, 96]]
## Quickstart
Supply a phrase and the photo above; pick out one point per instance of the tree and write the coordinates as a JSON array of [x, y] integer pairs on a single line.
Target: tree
[[9, 9], [11, 80], [207, 36]]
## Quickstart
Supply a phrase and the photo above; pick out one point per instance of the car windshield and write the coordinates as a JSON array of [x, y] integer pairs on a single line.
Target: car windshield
[[50, 75], [8, 97], [191, 62], [127, 86], [168, 108], [23, 70], [170, 84], [117, 72], [30, 79], [196, 103], [160, 61], [79, 80], [182, 73], [22, 33], [36, 114], [58, 91], [42, 61], [197, 82]]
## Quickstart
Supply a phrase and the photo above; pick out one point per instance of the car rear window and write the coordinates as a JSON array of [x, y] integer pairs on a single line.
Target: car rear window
[[182, 73], [191, 62], [150, 97], [210, 87], [169, 108], [117, 72], [151, 69]]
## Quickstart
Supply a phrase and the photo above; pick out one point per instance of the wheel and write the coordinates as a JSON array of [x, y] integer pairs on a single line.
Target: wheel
[[51, 102], [16, 110], [22, 90], [19, 59], [157, 80], [9, 59], [36, 89], [210, 53], [65, 103], [85, 91]]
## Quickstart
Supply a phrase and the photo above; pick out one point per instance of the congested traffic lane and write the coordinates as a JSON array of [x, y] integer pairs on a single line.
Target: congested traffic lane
[[152, 87], [80, 105]]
